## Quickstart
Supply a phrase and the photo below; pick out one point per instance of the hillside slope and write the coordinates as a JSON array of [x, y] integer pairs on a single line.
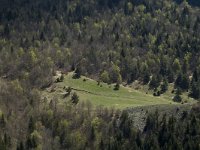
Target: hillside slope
[[103, 94]]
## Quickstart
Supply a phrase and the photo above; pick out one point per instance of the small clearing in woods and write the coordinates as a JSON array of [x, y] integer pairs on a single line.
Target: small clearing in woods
[[103, 94]]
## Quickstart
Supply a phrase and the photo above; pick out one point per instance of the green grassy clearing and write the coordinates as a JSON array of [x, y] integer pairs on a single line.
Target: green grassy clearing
[[104, 94]]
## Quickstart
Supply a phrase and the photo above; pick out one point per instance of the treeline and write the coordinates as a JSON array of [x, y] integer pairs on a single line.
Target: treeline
[[191, 2]]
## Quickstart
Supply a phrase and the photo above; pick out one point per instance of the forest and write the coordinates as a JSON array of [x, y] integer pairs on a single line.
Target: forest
[[116, 42]]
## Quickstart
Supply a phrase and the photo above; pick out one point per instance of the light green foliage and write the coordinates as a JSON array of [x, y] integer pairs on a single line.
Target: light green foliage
[[141, 8], [152, 40], [186, 63], [132, 40], [176, 65], [17, 86], [96, 122], [130, 6], [105, 77], [78, 140], [20, 52], [115, 75], [33, 56], [37, 138]]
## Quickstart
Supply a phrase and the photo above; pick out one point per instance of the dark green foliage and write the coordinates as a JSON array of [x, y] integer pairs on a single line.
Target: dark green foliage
[[5, 142], [195, 85], [125, 125], [77, 73], [92, 134], [69, 89], [116, 87], [20, 146], [151, 122], [179, 80], [155, 82], [31, 125], [195, 90], [146, 78], [75, 98], [31, 143], [170, 76], [177, 97], [164, 86], [195, 76], [101, 145], [62, 78], [140, 46], [185, 83], [182, 82], [112, 130], [68, 92], [131, 40], [2, 121]]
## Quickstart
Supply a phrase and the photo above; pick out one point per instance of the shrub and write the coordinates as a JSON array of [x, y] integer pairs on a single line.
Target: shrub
[[75, 98], [104, 77], [68, 92], [177, 97], [62, 78], [116, 87], [77, 73]]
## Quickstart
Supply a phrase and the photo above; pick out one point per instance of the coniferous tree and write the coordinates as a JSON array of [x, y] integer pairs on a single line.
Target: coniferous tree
[[177, 97], [185, 83], [77, 73], [179, 80], [116, 87], [164, 86], [75, 98], [195, 90], [146, 78], [154, 83], [31, 125]]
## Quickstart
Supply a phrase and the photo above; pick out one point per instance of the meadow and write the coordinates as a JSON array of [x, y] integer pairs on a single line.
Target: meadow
[[104, 94]]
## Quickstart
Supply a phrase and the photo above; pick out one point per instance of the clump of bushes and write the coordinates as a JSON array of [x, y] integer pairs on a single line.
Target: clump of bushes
[[116, 87], [75, 98], [68, 92], [177, 97]]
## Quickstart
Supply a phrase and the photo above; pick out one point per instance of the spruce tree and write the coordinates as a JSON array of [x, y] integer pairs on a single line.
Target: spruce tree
[[177, 97], [164, 86]]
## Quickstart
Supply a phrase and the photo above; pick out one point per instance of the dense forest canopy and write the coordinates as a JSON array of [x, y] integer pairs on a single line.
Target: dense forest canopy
[[191, 2], [155, 42], [140, 38]]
